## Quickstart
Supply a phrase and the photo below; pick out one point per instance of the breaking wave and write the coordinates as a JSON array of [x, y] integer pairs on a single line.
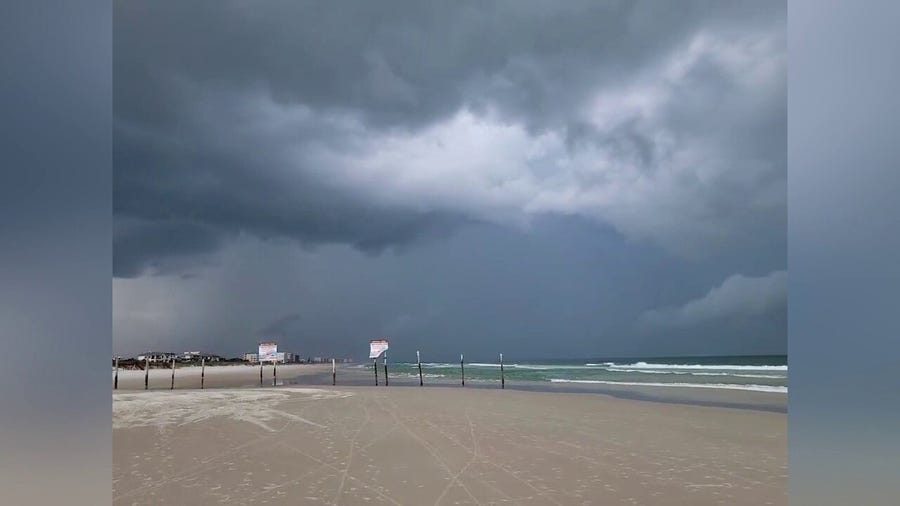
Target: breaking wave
[[726, 386], [714, 367]]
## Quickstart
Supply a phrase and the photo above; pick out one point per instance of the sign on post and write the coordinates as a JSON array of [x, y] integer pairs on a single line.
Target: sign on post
[[377, 347], [268, 352]]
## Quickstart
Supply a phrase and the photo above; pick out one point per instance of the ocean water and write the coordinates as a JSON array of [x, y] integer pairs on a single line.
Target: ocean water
[[767, 373]]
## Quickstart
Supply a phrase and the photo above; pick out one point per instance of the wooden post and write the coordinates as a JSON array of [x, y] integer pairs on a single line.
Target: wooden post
[[375, 363], [419, 361], [385, 370], [502, 379], [172, 387], [274, 372], [462, 369], [260, 371], [116, 382], [333, 374], [146, 371], [202, 371]]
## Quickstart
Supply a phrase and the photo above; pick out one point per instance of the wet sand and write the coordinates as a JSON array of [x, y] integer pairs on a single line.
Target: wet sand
[[439, 445], [744, 399]]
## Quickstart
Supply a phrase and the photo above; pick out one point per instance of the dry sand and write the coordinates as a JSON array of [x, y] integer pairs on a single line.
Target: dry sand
[[439, 445]]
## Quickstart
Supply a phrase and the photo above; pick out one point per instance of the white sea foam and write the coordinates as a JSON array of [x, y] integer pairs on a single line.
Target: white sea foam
[[733, 375], [725, 386], [639, 367], [717, 367]]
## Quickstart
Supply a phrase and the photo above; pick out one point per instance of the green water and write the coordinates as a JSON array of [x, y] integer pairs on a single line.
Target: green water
[[757, 373]]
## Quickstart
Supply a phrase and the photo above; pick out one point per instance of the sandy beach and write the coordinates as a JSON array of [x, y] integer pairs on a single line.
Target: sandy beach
[[437, 445], [219, 376]]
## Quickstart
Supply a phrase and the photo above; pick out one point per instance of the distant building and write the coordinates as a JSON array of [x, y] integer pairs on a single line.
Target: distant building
[[290, 358], [157, 356], [196, 356], [284, 357]]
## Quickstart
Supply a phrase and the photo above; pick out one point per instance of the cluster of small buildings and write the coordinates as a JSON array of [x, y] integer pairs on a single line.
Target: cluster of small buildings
[[189, 356], [159, 357], [284, 357], [293, 358]]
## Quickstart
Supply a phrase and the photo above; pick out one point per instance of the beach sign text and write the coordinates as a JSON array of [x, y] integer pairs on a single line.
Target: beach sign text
[[268, 352], [377, 347]]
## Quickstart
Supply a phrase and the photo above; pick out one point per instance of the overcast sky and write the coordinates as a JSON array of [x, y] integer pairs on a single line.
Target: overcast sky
[[593, 179]]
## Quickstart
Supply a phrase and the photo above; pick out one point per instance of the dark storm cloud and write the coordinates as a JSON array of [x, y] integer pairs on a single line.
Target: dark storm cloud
[[401, 62], [357, 123], [562, 289], [185, 197], [139, 245], [450, 174]]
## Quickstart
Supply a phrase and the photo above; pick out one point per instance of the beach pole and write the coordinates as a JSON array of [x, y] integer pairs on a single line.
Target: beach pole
[[333, 374], [146, 372], [172, 387], [385, 370], [274, 372], [502, 379], [260, 371], [202, 371], [419, 361], [462, 369], [375, 363], [116, 382]]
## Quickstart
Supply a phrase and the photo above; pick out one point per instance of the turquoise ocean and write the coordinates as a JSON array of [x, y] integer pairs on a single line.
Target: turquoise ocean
[[766, 373]]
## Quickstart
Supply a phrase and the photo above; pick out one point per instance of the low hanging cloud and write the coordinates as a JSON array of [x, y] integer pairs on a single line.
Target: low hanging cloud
[[380, 127], [737, 297]]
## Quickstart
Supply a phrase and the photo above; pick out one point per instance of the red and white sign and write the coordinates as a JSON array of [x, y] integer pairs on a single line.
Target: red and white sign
[[268, 352], [377, 347]]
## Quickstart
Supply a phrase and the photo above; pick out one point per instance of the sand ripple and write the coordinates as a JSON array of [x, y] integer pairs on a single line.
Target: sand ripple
[[256, 406]]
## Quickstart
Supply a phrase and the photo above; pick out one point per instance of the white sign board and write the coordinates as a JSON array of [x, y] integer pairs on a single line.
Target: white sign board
[[377, 347], [268, 352]]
